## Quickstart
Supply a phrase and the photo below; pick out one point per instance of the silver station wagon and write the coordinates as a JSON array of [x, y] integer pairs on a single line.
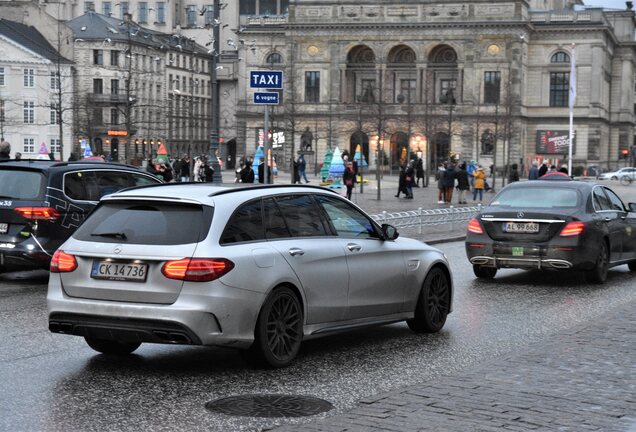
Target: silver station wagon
[[260, 268]]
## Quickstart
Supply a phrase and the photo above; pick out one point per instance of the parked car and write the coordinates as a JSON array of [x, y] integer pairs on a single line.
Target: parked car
[[558, 225], [617, 175], [260, 268], [43, 202]]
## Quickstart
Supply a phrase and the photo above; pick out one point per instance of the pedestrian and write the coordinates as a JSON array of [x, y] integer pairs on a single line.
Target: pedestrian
[[419, 172], [302, 166], [349, 179], [401, 181], [534, 171], [295, 171], [5, 151], [564, 169], [261, 172], [184, 170], [151, 168], [449, 183], [543, 168], [513, 176], [470, 169], [196, 172], [409, 179], [480, 181], [439, 176], [18, 156], [208, 172], [176, 166], [463, 184]]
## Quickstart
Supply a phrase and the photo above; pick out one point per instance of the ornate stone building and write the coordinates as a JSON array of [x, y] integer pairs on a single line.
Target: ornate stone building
[[484, 79]]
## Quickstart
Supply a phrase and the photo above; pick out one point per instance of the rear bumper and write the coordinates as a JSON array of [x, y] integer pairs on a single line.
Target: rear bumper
[[203, 314], [23, 256], [562, 254]]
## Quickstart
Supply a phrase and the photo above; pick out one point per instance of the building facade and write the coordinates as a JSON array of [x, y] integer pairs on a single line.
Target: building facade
[[35, 89], [478, 80]]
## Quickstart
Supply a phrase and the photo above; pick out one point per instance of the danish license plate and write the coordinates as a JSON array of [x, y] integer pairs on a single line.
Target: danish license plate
[[520, 227], [119, 271], [4, 228]]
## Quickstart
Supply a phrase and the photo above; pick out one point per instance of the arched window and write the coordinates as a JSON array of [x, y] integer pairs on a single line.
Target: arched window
[[560, 57], [274, 58]]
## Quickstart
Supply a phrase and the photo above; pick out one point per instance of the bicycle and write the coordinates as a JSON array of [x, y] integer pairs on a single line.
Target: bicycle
[[627, 179]]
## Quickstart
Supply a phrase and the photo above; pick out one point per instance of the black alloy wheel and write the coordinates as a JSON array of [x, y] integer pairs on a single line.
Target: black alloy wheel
[[433, 304], [484, 272], [112, 347], [632, 265], [279, 329], [598, 274]]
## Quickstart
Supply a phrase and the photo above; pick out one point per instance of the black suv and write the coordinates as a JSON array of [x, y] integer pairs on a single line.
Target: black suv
[[43, 202]]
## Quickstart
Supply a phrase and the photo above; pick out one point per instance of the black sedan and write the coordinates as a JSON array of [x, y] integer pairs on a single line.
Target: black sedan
[[547, 224]]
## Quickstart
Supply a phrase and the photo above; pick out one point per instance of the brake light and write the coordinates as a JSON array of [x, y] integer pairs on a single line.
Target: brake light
[[474, 226], [572, 229], [197, 269], [62, 262], [38, 213]]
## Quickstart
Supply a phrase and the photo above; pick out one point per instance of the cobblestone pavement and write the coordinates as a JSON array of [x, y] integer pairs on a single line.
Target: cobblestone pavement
[[581, 380]]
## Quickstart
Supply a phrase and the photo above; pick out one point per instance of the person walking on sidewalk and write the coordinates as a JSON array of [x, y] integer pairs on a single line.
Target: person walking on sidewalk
[[514, 174], [409, 179], [401, 182], [534, 171], [419, 172], [449, 183], [480, 180], [349, 179], [463, 184], [302, 166], [439, 176]]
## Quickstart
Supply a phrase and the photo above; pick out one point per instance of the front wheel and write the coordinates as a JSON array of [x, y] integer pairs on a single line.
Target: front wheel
[[112, 347], [279, 330], [484, 272], [433, 304], [598, 274], [632, 266]]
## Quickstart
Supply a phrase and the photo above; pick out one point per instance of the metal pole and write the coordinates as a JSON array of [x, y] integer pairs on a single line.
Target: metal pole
[[215, 102], [266, 179]]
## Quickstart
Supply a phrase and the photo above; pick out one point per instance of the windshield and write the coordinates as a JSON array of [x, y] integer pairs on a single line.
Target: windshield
[[155, 223], [21, 185], [537, 197]]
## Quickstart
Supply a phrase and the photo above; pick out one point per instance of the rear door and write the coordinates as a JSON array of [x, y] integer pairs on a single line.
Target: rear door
[[122, 246], [608, 213], [625, 225], [19, 188]]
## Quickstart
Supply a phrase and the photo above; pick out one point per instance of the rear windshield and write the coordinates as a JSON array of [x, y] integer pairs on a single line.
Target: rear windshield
[[539, 197], [151, 223], [21, 185]]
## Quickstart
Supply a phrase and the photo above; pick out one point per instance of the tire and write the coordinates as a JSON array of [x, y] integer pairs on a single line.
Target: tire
[[626, 180], [632, 265], [279, 330], [598, 274], [433, 304], [112, 347], [484, 272]]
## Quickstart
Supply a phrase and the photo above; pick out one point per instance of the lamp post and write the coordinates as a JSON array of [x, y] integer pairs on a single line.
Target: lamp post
[[449, 98], [215, 102]]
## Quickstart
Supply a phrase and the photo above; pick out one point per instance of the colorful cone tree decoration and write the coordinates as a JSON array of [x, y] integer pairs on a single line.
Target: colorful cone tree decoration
[[358, 157], [337, 168], [43, 153], [324, 171]]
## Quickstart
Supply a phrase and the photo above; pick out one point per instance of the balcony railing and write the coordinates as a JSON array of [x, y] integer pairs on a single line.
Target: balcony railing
[[109, 98]]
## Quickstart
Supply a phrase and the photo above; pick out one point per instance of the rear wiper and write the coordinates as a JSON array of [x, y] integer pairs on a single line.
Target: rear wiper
[[118, 235]]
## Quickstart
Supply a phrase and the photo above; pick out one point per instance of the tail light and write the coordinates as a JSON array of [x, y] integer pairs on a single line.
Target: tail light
[[474, 226], [572, 229], [38, 213], [197, 269], [63, 262]]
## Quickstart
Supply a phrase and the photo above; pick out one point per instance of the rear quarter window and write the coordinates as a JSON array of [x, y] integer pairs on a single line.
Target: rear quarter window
[[146, 222], [21, 184]]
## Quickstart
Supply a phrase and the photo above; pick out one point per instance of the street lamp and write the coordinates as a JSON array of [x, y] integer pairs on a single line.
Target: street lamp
[[449, 98], [215, 103]]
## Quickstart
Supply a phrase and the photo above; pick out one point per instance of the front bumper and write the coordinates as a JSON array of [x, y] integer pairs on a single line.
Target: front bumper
[[204, 314]]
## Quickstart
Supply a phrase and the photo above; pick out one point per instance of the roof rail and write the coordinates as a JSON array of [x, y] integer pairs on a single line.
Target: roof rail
[[231, 189]]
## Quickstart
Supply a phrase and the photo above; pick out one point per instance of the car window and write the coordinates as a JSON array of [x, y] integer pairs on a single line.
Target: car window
[[148, 223], [537, 197], [246, 224], [301, 215], [601, 202], [143, 180], [110, 182], [615, 201], [273, 221], [21, 185], [81, 186], [347, 220]]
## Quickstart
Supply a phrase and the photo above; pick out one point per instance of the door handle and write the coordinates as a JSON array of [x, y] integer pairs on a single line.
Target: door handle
[[608, 219], [296, 251], [354, 247]]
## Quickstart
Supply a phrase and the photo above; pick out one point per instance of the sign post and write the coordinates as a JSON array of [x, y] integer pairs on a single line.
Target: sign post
[[271, 80]]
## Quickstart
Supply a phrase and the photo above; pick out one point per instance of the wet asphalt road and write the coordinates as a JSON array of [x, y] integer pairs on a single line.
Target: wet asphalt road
[[56, 382]]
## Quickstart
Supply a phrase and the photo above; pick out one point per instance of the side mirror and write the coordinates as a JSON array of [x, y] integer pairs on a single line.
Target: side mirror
[[390, 232], [632, 207]]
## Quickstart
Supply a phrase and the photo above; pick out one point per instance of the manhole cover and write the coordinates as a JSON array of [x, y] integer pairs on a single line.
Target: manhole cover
[[269, 406]]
